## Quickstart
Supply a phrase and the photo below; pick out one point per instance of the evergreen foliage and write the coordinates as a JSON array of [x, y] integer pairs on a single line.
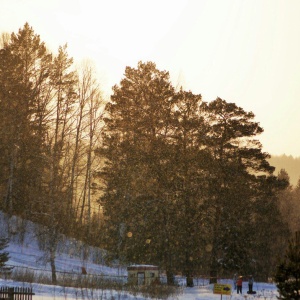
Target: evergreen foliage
[[238, 178], [4, 255], [185, 175], [138, 126], [24, 71], [287, 275]]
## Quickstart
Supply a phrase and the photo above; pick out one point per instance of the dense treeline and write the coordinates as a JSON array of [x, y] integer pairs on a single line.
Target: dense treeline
[[184, 184], [289, 203], [50, 125]]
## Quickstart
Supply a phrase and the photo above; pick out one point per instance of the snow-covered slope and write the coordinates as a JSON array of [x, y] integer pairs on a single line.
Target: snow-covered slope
[[24, 251]]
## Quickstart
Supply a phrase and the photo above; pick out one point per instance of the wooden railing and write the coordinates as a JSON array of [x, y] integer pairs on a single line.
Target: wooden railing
[[15, 293]]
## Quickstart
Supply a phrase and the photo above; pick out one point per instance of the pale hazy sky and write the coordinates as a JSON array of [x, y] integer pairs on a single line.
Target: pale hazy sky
[[244, 51]]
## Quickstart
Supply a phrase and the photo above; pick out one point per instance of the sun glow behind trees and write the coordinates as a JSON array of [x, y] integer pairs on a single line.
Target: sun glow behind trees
[[243, 51], [174, 164]]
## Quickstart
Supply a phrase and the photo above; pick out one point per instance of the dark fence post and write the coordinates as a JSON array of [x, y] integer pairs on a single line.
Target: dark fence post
[[11, 293]]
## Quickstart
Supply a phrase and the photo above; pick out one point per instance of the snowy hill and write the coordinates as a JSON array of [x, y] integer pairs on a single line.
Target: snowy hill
[[24, 250], [25, 253]]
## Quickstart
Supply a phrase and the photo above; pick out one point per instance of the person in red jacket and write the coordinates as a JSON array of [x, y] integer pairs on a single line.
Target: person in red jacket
[[239, 284]]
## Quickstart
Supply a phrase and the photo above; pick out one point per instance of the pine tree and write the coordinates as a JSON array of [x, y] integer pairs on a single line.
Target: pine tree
[[135, 148], [24, 95], [239, 164], [189, 168], [287, 275], [155, 173]]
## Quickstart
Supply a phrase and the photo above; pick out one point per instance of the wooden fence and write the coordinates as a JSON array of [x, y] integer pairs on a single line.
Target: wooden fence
[[15, 293]]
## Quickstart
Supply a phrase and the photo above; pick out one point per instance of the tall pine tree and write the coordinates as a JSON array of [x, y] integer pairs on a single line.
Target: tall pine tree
[[155, 173], [136, 131], [24, 94], [239, 166]]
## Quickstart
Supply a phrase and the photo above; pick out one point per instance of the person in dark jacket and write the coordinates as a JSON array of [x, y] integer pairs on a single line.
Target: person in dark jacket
[[239, 284], [250, 284]]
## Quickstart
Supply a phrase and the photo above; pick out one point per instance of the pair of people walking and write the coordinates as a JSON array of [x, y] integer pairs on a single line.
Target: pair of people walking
[[238, 284]]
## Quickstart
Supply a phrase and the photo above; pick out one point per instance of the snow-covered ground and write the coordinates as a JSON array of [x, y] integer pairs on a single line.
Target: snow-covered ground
[[44, 292], [28, 255]]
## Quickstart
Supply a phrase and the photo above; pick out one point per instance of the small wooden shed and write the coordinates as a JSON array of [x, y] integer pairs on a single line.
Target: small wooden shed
[[143, 274]]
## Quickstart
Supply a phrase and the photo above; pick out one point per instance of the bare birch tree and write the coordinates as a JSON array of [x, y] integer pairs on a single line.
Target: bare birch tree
[[91, 108]]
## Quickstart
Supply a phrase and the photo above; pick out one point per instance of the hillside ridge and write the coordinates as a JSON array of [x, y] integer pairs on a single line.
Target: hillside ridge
[[289, 163]]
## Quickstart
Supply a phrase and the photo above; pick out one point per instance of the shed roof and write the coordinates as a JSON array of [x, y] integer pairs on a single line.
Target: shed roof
[[141, 267]]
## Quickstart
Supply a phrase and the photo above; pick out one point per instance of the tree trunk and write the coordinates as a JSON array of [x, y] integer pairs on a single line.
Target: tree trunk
[[170, 277], [9, 201], [52, 263], [189, 280], [213, 265]]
